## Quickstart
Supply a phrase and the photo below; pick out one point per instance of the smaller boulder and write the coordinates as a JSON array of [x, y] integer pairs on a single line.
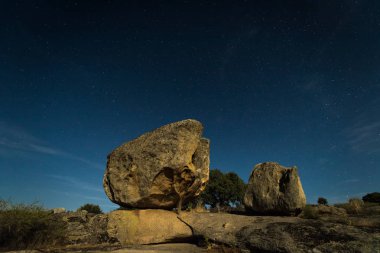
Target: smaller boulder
[[274, 189]]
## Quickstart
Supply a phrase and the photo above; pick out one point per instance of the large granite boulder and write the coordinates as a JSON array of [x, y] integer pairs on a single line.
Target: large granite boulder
[[275, 189], [159, 169], [131, 227]]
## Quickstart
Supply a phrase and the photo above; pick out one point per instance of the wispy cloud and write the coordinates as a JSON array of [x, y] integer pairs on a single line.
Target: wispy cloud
[[348, 181], [103, 201], [364, 136], [16, 138], [76, 183]]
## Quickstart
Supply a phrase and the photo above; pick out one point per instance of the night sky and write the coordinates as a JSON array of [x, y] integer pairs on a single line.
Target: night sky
[[297, 82]]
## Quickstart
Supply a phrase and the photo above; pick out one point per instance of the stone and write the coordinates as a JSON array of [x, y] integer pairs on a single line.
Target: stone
[[83, 228], [274, 189], [159, 168], [150, 226], [77, 216], [281, 233], [58, 210]]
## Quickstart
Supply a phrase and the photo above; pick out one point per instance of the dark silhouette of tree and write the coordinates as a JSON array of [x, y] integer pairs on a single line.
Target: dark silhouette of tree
[[322, 201], [223, 190], [372, 197], [91, 208]]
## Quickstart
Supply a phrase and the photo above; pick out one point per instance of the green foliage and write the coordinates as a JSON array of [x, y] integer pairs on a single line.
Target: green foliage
[[28, 226], [223, 189], [309, 212], [373, 197], [322, 201], [91, 208]]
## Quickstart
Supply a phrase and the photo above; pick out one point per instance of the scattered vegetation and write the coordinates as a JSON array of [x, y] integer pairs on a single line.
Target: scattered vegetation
[[223, 190], [25, 226], [310, 212], [354, 206], [373, 197], [91, 208], [322, 201]]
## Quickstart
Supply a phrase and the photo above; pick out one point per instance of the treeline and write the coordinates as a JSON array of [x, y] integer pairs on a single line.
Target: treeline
[[223, 190]]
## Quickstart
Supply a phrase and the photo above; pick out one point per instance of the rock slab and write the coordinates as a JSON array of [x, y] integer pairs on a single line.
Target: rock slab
[[130, 227], [282, 234], [159, 168], [273, 188]]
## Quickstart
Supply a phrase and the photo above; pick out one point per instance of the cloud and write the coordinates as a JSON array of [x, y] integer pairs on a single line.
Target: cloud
[[344, 197], [16, 138], [364, 136], [348, 181], [103, 202], [74, 182]]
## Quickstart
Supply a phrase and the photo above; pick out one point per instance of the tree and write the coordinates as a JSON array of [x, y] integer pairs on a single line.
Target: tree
[[322, 201], [91, 208], [372, 197], [223, 189]]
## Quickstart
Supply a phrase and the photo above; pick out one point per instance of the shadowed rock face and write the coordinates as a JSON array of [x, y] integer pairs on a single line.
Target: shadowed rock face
[[159, 167], [273, 188], [282, 234]]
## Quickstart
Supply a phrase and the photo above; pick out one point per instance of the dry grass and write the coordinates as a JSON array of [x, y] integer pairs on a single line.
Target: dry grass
[[28, 226], [309, 212], [353, 207]]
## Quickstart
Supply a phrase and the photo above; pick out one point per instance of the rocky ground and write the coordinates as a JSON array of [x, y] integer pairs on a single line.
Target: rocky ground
[[165, 167], [165, 231]]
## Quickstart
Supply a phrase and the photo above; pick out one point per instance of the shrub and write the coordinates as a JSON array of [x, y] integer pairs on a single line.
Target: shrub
[[309, 212], [373, 197], [28, 226], [322, 201], [224, 190], [91, 208], [355, 205]]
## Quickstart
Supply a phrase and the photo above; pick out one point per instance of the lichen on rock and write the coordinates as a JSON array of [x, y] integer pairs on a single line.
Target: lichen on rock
[[273, 188], [159, 169]]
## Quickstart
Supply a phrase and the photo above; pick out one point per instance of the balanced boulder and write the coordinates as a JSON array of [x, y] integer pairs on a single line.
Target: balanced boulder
[[273, 188], [159, 169]]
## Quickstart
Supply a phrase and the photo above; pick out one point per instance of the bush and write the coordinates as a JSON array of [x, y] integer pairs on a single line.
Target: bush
[[373, 197], [91, 208], [309, 212], [322, 201], [355, 205], [223, 190], [28, 226]]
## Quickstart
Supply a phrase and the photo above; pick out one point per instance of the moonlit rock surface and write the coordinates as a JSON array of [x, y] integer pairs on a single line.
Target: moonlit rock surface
[[131, 227], [151, 170], [273, 188]]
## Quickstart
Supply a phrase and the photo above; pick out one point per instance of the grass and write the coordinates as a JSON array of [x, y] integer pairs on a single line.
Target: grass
[[353, 207], [27, 226], [310, 212]]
